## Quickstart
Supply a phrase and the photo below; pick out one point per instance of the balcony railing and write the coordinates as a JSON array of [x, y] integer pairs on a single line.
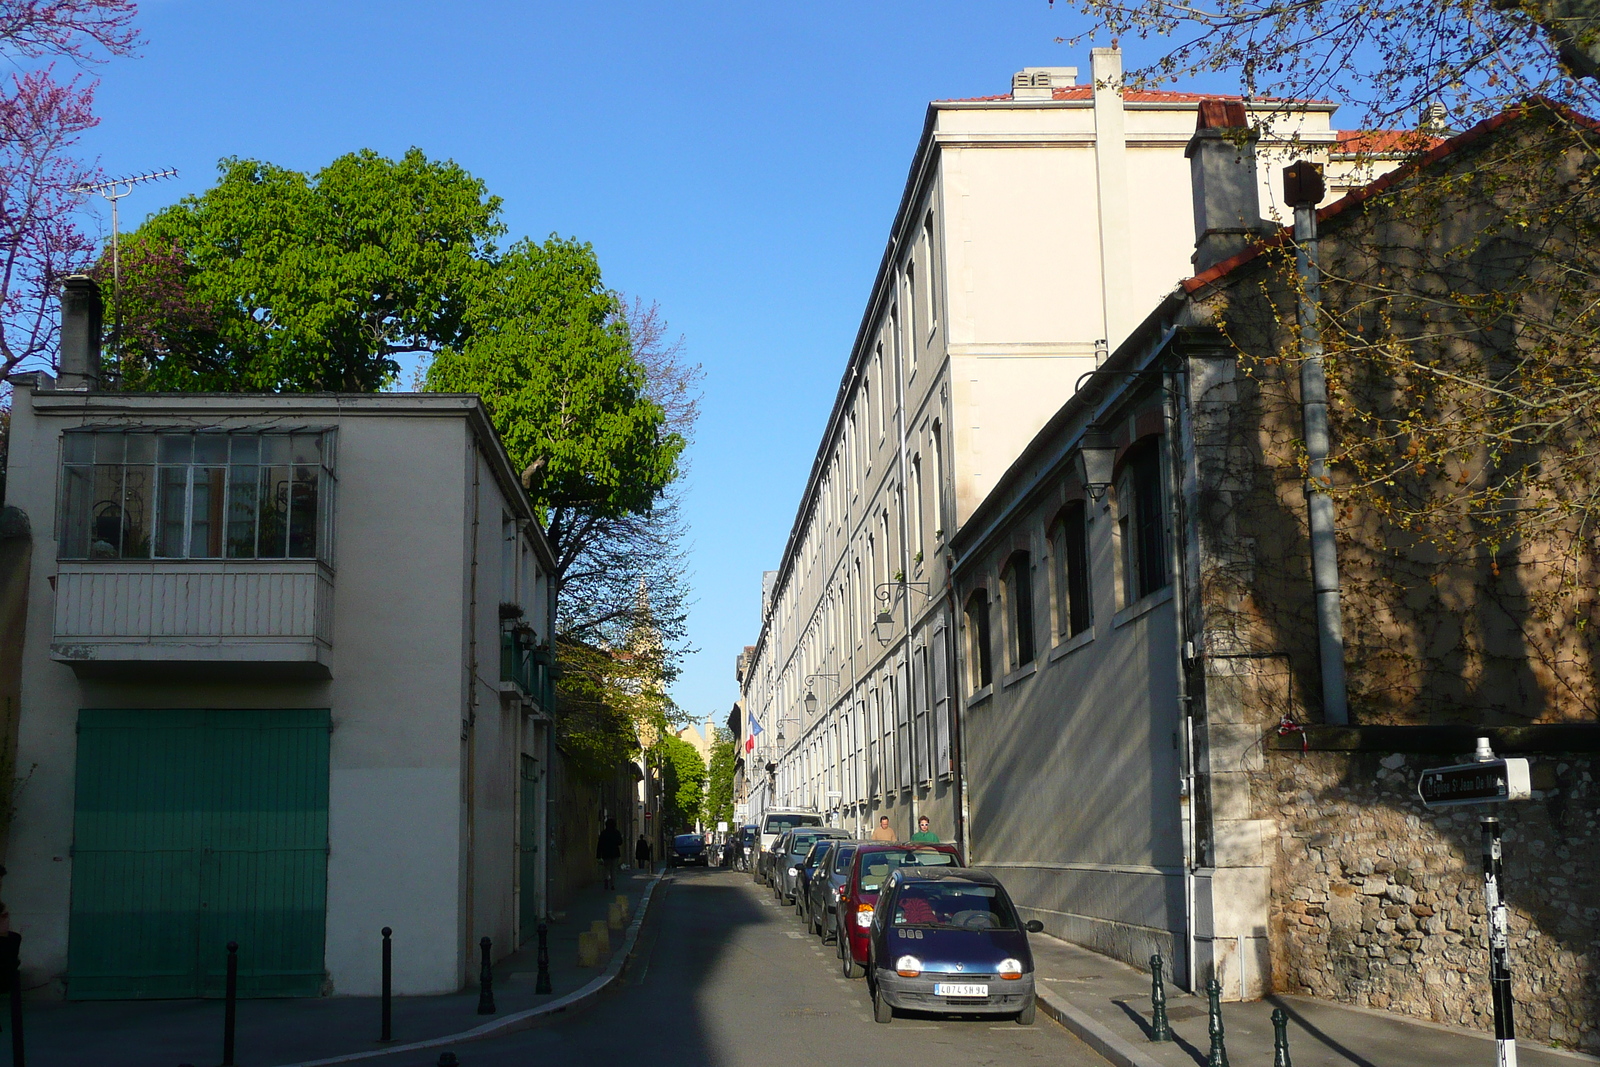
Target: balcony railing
[[195, 611], [525, 667]]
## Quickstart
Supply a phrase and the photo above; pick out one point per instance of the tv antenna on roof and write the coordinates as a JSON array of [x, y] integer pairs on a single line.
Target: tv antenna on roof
[[113, 190]]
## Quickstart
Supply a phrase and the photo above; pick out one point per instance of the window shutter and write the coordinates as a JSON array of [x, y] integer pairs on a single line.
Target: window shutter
[[940, 652]]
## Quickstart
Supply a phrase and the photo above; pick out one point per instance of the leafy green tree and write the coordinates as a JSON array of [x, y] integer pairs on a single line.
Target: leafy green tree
[[719, 789], [282, 281], [685, 783], [548, 351]]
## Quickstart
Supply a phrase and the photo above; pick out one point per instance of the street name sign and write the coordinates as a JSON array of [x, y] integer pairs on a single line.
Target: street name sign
[[1485, 782]]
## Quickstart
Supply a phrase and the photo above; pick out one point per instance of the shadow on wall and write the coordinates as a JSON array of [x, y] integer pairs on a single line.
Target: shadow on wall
[[16, 553]]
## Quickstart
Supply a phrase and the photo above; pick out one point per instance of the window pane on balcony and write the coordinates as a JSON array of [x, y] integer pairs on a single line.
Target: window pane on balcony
[[246, 449], [106, 511], [108, 447], [77, 493], [303, 514], [211, 448], [138, 506], [171, 500], [305, 448], [243, 491], [274, 511], [275, 448], [141, 448], [205, 512], [174, 447], [78, 447]]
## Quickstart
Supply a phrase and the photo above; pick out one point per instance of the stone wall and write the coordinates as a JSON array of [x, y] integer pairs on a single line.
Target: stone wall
[[1379, 902]]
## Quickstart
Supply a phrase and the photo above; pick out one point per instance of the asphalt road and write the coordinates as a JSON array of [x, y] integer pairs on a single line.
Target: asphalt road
[[723, 976]]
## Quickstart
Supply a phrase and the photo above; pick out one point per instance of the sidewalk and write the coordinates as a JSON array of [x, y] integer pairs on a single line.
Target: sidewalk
[[1107, 1005], [167, 1033]]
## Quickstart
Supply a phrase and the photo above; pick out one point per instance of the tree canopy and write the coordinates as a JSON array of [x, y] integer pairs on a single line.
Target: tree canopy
[[719, 785], [278, 280]]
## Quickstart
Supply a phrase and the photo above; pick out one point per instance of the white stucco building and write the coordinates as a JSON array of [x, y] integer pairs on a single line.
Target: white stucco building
[[281, 684], [1035, 231]]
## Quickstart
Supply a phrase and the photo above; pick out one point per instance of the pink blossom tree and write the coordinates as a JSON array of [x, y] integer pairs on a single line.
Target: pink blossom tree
[[41, 118]]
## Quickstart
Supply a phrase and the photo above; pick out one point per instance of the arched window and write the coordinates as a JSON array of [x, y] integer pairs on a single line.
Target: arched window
[[1141, 522], [1019, 609], [980, 669], [1069, 550]]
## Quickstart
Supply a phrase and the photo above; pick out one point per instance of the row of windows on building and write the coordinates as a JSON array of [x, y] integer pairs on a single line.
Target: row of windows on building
[[1143, 568], [186, 495]]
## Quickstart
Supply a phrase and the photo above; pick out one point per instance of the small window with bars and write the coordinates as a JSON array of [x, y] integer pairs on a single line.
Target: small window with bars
[[191, 495]]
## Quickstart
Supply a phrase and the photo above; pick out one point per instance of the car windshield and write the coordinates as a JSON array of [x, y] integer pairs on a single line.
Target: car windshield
[[875, 866], [953, 906], [683, 840], [777, 824]]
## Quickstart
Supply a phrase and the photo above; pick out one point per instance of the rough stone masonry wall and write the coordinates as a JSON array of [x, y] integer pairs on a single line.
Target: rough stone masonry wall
[[1379, 902]]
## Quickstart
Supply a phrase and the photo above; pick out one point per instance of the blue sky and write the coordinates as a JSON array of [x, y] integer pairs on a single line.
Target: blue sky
[[738, 163]]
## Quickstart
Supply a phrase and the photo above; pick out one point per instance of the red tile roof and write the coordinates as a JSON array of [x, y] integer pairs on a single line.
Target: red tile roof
[[1405, 170], [1133, 96], [1384, 142]]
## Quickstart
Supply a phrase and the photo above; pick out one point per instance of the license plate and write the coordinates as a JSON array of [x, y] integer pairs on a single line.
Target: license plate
[[945, 989]]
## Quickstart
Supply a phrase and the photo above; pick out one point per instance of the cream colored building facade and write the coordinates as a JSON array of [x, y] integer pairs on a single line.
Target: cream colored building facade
[[279, 686], [1035, 231]]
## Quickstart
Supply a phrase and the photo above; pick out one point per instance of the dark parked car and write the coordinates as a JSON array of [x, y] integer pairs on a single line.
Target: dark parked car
[[824, 888], [786, 863], [949, 940], [807, 866], [686, 849], [869, 869]]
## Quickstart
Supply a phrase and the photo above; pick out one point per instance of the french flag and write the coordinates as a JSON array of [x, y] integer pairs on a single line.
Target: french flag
[[750, 742]]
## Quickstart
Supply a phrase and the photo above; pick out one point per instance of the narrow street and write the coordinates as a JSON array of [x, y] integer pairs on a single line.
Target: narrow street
[[724, 976]]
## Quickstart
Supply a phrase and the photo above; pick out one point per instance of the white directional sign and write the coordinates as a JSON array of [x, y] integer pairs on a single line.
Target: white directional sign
[[1485, 782]]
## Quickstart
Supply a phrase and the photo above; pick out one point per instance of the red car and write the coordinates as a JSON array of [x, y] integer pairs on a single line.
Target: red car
[[873, 863]]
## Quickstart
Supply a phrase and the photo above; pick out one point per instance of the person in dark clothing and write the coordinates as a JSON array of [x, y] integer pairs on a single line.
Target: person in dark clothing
[[608, 850], [641, 854]]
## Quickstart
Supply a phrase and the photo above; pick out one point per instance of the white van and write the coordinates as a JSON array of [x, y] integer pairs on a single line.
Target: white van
[[777, 820]]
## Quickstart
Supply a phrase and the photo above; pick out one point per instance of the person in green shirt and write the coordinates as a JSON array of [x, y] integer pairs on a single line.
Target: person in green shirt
[[923, 833]]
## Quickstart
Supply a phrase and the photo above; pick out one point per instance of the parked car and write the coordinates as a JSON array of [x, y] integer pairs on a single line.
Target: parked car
[[786, 864], [687, 849], [946, 939], [825, 887], [805, 869], [869, 869], [766, 861]]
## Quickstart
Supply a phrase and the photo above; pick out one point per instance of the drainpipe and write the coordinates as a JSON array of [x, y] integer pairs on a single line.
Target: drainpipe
[[906, 324], [1303, 187]]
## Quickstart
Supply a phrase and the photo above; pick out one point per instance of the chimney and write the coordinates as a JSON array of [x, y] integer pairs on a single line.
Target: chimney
[[81, 311], [1222, 170], [1040, 83]]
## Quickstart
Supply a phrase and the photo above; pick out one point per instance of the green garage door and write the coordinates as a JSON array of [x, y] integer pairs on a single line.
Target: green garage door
[[193, 829]]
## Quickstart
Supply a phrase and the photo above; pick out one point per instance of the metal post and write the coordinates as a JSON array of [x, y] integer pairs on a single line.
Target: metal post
[[1159, 1029], [542, 981], [388, 975], [1218, 1056], [1280, 1038], [1505, 1035], [14, 981], [485, 982], [230, 1004]]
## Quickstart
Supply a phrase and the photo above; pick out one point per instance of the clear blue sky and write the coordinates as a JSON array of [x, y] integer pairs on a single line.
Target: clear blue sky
[[738, 163]]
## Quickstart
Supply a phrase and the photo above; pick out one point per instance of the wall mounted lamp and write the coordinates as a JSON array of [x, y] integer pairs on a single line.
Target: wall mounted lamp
[[1097, 460]]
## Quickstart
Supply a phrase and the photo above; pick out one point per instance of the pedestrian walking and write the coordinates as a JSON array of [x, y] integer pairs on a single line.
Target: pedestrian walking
[[923, 833], [641, 854], [608, 850], [883, 832]]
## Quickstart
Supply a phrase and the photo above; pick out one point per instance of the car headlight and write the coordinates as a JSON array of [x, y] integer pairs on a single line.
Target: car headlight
[[793, 871], [908, 966], [1010, 969], [864, 915]]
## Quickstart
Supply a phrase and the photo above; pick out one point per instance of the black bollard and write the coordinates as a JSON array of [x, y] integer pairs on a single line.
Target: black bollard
[[230, 1004], [1280, 1038], [542, 981], [1218, 1056], [388, 974], [1159, 1029], [12, 955], [485, 982]]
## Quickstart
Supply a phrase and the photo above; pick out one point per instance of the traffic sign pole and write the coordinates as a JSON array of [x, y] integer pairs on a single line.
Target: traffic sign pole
[[1505, 1035]]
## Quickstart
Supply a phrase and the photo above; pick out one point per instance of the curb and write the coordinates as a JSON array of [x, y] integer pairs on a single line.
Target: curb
[[522, 1020], [1091, 1033]]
